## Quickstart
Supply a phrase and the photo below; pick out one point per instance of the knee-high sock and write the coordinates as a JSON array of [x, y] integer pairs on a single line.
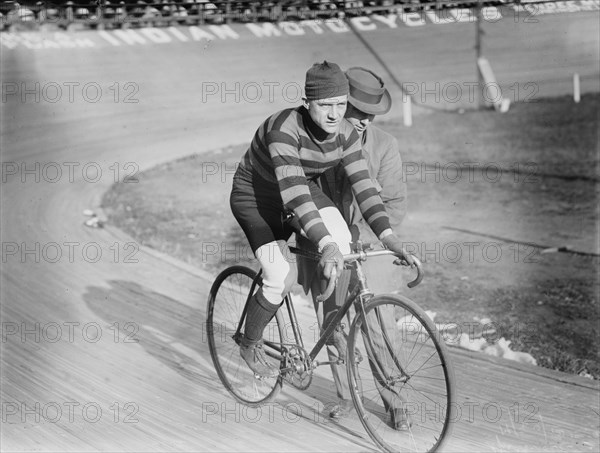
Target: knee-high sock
[[260, 312]]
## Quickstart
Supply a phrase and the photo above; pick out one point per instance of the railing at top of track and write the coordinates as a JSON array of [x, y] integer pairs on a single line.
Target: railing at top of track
[[123, 14]]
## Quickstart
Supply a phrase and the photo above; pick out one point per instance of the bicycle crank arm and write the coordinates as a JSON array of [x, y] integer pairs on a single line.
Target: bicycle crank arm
[[334, 362], [329, 362]]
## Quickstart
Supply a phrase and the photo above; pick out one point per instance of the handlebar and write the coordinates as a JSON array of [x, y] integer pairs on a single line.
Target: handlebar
[[362, 256]]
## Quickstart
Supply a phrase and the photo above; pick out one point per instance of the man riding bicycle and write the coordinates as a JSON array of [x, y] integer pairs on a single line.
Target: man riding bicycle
[[276, 177], [367, 98]]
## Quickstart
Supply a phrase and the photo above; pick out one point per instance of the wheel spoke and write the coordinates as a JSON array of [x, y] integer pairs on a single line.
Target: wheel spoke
[[407, 375], [226, 303]]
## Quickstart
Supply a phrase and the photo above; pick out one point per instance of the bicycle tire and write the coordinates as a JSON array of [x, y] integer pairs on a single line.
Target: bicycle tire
[[423, 393], [226, 303]]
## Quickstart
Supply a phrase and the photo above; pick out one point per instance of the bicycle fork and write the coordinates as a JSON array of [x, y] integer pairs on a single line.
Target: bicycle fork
[[386, 380]]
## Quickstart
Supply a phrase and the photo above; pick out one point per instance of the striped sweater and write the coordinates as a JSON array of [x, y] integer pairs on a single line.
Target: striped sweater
[[289, 148]]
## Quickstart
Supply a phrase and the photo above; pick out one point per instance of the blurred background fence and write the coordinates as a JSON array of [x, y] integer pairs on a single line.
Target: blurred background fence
[[101, 14]]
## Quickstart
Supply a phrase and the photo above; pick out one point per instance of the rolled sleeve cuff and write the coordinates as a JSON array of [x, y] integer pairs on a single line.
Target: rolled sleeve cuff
[[385, 233], [325, 240]]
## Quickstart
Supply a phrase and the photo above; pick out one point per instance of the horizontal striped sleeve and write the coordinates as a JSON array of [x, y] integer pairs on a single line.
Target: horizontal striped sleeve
[[312, 223], [364, 189], [367, 197]]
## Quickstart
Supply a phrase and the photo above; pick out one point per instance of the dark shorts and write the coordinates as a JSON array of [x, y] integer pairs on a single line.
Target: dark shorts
[[258, 208]]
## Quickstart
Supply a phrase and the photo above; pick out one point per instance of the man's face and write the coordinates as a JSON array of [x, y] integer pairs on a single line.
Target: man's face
[[328, 113], [359, 119]]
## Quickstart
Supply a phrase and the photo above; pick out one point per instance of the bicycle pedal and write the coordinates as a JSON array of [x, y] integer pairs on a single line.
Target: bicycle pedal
[[339, 361], [258, 377], [357, 356]]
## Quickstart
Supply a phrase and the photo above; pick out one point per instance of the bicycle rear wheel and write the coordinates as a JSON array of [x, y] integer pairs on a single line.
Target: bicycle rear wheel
[[228, 296], [407, 378]]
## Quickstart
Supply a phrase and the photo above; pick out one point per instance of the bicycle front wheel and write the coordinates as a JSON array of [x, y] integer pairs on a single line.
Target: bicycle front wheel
[[404, 392], [228, 296]]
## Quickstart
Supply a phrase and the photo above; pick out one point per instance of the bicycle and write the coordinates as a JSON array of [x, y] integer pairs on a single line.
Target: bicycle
[[407, 362]]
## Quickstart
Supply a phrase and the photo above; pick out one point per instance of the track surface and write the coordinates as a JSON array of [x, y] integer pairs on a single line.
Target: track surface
[[161, 393]]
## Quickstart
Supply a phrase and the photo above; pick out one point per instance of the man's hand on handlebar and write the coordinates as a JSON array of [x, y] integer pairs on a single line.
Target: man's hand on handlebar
[[331, 258], [393, 243], [332, 263]]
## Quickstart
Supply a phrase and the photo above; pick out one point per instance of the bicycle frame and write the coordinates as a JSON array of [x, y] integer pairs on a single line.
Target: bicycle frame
[[294, 320], [359, 295], [360, 292]]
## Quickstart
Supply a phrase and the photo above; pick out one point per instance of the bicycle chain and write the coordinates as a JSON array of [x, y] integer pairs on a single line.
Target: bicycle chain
[[297, 367]]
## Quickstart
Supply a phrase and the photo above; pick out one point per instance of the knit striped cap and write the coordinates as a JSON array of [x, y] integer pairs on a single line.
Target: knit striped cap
[[325, 80]]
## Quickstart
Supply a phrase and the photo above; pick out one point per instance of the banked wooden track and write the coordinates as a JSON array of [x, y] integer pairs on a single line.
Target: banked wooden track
[[161, 393]]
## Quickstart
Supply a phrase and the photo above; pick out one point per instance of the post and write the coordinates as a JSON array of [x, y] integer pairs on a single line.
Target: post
[[576, 88], [228, 12], [407, 110], [478, 33]]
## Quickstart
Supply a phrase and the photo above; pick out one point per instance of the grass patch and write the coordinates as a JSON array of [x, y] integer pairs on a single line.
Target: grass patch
[[549, 192], [556, 135]]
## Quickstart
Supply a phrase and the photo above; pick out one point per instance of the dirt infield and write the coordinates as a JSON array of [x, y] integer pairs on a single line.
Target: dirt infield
[[503, 210]]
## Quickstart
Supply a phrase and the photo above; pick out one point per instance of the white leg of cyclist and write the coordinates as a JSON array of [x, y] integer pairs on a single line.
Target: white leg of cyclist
[[336, 225], [279, 270]]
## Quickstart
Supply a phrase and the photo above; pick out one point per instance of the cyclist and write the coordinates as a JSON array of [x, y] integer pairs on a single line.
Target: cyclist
[[367, 98], [276, 177]]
